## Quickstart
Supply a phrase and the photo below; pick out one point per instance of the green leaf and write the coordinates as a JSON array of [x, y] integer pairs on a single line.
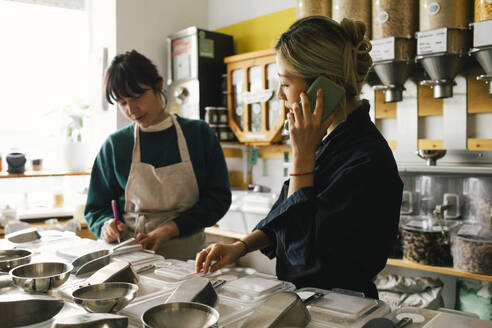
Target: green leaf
[[79, 137]]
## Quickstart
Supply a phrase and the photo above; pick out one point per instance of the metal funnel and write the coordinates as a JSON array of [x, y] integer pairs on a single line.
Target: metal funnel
[[393, 74], [484, 58], [442, 69]]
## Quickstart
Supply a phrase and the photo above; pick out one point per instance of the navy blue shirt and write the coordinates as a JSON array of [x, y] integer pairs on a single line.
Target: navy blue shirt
[[339, 232]]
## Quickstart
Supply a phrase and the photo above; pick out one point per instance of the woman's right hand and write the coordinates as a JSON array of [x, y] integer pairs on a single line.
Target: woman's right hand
[[217, 256], [111, 231]]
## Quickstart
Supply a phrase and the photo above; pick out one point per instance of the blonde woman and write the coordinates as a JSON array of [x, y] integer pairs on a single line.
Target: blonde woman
[[337, 216]]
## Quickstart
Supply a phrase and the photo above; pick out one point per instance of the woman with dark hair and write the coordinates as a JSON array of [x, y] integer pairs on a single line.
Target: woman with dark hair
[[337, 216], [167, 173]]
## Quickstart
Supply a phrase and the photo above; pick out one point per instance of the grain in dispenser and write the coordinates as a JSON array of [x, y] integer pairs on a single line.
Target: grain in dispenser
[[306, 8], [393, 46], [482, 39], [359, 10], [442, 40]]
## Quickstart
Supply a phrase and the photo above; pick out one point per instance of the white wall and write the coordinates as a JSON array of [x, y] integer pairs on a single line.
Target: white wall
[[144, 25], [227, 12]]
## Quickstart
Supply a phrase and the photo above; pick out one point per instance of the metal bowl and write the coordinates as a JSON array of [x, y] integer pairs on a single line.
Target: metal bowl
[[11, 258], [183, 314], [106, 297], [40, 277]]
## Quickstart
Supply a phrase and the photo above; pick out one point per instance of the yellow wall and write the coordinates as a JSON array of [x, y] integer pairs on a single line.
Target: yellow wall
[[261, 32]]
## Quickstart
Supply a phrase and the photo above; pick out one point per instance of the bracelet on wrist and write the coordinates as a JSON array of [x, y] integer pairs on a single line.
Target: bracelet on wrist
[[301, 174], [246, 248]]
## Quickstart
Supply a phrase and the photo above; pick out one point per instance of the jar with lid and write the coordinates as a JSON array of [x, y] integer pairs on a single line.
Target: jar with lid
[[394, 18], [426, 241], [306, 8], [223, 132], [472, 249], [477, 193], [359, 10], [435, 14], [483, 10], [211, 115], [222, 115]]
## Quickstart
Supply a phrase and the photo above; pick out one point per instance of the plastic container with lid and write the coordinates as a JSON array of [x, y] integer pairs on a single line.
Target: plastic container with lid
[[394, 18], [171, 272], [342, 310], [472, 249], [483, 10], [425, 241], [247, 286], [435, 14], [359, 10]]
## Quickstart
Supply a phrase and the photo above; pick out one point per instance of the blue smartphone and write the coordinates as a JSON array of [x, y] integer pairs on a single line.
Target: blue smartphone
[[332, 94]]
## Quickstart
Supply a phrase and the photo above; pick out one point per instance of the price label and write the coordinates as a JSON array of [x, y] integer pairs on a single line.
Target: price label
[[383, 49], [430, 42]]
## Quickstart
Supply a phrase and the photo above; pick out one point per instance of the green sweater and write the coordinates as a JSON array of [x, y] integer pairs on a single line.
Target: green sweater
[[112, 167]]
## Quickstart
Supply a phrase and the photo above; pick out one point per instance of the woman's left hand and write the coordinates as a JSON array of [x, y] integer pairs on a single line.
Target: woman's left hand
[[159, 236], [305, 127]]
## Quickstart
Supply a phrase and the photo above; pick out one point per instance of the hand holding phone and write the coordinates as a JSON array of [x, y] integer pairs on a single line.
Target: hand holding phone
[[332, 94]]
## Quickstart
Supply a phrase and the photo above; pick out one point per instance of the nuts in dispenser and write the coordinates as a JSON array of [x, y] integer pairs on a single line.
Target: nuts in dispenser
[[472, 249], [427, 243]]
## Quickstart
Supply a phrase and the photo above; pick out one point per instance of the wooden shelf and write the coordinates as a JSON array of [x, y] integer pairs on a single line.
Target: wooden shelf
[[34, 174], [436, 269]]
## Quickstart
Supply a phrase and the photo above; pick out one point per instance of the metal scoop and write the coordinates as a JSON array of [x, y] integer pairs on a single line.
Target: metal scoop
[[92, 320], [93, 261], [23, 310], [198, 289]]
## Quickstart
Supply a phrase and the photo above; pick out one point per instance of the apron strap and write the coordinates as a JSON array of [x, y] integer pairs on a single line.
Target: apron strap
[[136, 145], [183, 147]]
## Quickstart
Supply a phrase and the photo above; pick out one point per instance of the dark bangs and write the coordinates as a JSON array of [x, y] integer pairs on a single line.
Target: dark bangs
[[130, 74]]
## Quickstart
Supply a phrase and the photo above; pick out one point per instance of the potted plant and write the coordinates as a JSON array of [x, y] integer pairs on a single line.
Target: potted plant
[[76, 148]]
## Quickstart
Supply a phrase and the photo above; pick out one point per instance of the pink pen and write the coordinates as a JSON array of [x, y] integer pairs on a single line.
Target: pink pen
[[115, 214]]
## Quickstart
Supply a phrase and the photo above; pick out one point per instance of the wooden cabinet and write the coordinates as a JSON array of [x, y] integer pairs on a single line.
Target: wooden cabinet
[[256, 115]]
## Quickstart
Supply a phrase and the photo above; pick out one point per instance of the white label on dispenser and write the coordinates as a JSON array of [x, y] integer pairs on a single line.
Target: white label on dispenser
[[433, 41], [383, 49], [481, 33]]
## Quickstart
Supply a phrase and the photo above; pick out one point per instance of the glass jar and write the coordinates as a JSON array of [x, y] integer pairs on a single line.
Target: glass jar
[[477, 193], [472, 249], [222, 115], [211, 115], [483, 10]]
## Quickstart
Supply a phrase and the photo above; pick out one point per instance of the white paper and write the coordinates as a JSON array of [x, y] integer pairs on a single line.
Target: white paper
[[433, 41], [383, 49]]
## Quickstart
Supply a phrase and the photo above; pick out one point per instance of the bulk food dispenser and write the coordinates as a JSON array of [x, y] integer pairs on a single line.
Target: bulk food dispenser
[[442, 40], [482, 39], [359, 10], [393, 46], [195, 64]]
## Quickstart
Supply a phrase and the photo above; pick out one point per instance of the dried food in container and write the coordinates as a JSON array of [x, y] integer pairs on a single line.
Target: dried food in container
[[306, 8], [483, 10], [359, 10], [405, 48], [425, 242], [459, 41], [394, 18], [444, 13], [472, 249]]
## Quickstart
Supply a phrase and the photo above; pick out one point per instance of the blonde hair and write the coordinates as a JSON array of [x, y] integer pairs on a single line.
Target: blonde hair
[[318, 45]]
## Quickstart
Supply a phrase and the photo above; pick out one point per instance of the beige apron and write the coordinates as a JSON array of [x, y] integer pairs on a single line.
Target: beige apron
[[157, 195]]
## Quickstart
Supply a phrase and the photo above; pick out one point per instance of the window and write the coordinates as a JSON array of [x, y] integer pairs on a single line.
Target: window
[[44, 66]]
